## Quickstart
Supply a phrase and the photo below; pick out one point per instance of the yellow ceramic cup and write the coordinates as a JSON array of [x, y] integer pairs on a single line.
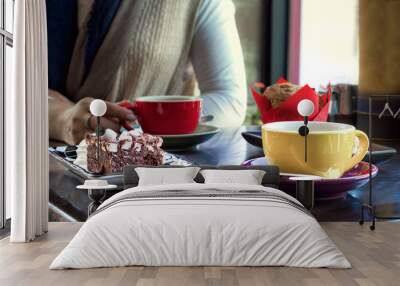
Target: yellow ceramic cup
[[333, 148]]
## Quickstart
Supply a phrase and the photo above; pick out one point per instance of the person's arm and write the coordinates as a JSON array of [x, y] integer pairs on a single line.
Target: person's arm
[[69, 122], [217, 59]]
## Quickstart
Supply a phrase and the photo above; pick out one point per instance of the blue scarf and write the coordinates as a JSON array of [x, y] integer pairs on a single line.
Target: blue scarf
[[62, 31], [101, 17]]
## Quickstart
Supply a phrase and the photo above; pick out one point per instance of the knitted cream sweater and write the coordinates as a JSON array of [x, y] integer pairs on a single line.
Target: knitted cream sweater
[[145, 52]]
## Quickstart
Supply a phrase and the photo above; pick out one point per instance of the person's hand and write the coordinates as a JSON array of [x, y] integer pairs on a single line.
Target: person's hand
[[77, 121]]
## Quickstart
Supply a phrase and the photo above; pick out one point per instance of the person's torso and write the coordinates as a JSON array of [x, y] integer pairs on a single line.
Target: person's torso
[[152, 39]]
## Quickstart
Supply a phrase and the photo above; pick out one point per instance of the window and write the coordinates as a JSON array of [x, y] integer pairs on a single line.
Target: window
[[263, 30], [249, 20], [329, 42], [6, 42]]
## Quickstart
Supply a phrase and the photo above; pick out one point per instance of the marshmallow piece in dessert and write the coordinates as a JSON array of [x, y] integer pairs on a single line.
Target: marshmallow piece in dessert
[[138, 147], [110, 135], [81, 152], [112, 147], [135, 132], [125, 135], [127, 145], [126, 138]]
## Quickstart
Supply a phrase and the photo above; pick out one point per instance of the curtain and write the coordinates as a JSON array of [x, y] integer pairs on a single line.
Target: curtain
[[27, 124]]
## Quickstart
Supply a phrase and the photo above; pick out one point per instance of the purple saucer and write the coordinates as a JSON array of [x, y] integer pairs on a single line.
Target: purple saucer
[[327, 189]]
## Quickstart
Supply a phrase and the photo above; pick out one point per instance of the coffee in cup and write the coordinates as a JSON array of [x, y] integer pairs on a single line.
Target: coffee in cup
[[333, 148], [169, 114]]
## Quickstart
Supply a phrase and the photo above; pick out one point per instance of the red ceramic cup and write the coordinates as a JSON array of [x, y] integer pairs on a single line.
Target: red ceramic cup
[[167, 115]]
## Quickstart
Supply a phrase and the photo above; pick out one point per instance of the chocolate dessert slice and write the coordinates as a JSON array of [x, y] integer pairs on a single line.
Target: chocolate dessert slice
[[116, 152]]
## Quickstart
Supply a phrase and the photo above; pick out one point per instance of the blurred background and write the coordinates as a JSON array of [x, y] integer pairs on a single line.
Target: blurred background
[[352, 44], [323, 34]]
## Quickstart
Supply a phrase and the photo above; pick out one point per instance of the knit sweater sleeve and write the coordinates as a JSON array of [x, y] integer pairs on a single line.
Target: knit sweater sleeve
[[217, 59]]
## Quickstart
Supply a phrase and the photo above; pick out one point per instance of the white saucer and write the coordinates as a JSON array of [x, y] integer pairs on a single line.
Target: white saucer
[[96, 185], [86, 187]]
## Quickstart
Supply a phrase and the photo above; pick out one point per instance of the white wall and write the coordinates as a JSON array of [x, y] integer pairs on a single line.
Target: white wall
[[329, 42]]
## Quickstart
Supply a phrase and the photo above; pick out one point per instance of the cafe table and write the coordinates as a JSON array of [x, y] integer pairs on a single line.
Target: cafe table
[[226, 148]]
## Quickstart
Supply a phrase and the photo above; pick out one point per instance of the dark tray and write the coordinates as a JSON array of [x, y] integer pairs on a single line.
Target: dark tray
[[380, 153], [67, 161], [66, 156]]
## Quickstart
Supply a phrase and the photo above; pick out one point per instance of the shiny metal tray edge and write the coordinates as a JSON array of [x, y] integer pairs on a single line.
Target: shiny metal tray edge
[[116, 179]]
